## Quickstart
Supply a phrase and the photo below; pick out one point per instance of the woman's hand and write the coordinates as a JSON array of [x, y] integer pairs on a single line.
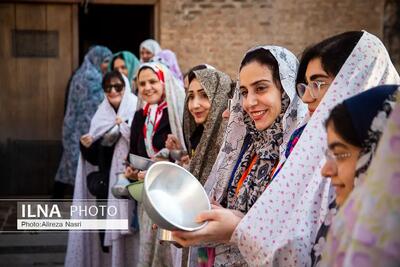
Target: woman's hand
[[221, 224], [118, 120], [141, 175], [86, 140], [172, 142], [184, 161], [131, 173], [134, 174]]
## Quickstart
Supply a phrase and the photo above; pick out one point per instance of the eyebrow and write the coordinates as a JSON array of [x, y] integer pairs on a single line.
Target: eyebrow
[[333, 145], [255, 82], [197, 89], [317, 76], [118, 83]]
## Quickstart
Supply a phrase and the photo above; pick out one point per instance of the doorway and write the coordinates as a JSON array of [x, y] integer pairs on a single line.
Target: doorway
[[33, 101], [118, 27]]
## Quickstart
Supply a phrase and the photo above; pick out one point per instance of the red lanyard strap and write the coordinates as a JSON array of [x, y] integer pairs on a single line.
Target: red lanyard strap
[[245, 174]]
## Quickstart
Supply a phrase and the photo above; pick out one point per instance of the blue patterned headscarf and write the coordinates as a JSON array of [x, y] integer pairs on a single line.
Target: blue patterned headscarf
[[84, 96], [131, 61]]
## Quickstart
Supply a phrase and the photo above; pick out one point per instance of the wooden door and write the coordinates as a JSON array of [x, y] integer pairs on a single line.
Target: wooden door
[[38, 51]]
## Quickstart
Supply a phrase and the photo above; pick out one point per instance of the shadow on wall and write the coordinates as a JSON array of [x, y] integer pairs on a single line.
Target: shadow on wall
[[28, 167]]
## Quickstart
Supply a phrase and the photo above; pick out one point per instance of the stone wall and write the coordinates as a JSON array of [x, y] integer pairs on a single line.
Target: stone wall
[[219, 32]]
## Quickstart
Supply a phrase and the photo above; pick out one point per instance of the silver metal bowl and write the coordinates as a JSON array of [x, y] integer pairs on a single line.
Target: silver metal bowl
[[173, 197], [177, 154], [111, 136], [119, 189], [139, 162]]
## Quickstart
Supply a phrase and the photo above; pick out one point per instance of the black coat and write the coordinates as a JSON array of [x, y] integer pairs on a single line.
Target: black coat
[[98, 155], [137, 145]]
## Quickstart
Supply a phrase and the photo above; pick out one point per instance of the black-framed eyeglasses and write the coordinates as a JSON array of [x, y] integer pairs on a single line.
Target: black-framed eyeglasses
[[118, 87], [314, 87]]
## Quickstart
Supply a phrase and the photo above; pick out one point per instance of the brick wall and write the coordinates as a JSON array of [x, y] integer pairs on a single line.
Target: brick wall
[[391, 30], [219, 32]]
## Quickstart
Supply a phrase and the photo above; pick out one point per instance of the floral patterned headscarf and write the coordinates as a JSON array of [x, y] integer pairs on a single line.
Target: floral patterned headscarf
[[268, 144], [217, 86], [84, 96], [293, 113]]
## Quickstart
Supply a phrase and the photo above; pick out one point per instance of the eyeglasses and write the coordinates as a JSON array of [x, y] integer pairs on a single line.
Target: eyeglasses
[[330, 156], [117, 86], [314, 86]]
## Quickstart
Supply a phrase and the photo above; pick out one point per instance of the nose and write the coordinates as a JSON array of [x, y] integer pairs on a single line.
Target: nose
[[307, 98], [196, 102], [147, 86], [251, 99], [329, 169]]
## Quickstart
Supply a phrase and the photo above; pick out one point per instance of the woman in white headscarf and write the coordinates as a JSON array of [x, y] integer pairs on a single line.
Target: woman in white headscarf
[[265, 111], [282, 226], [118, 247], [148, 49], [164, 99]]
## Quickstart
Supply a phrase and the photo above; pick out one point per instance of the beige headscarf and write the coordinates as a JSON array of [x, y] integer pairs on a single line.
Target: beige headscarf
[[217, 86]]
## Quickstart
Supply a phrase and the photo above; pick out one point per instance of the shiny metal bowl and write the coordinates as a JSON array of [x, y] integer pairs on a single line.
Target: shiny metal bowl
[[177, 154], [139, 162], [173, 197], [119, 189], [111, 136]]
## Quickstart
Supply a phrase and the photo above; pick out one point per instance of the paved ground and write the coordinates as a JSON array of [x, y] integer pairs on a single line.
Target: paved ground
[[28, 249]]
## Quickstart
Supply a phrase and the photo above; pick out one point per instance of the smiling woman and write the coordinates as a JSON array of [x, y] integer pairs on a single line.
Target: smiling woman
[[151, 88], [261, 92], [161, 115], [264, 111], [204, 126], [114, 88], [99, 164], [198, 103]]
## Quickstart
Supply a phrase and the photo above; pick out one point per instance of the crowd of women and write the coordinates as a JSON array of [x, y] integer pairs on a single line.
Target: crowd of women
[[300, 158]]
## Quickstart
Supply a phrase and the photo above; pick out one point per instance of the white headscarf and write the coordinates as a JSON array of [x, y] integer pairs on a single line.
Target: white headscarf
[[174, 96], [84, 248], [150, 45], [217, 182], [282, 225]]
